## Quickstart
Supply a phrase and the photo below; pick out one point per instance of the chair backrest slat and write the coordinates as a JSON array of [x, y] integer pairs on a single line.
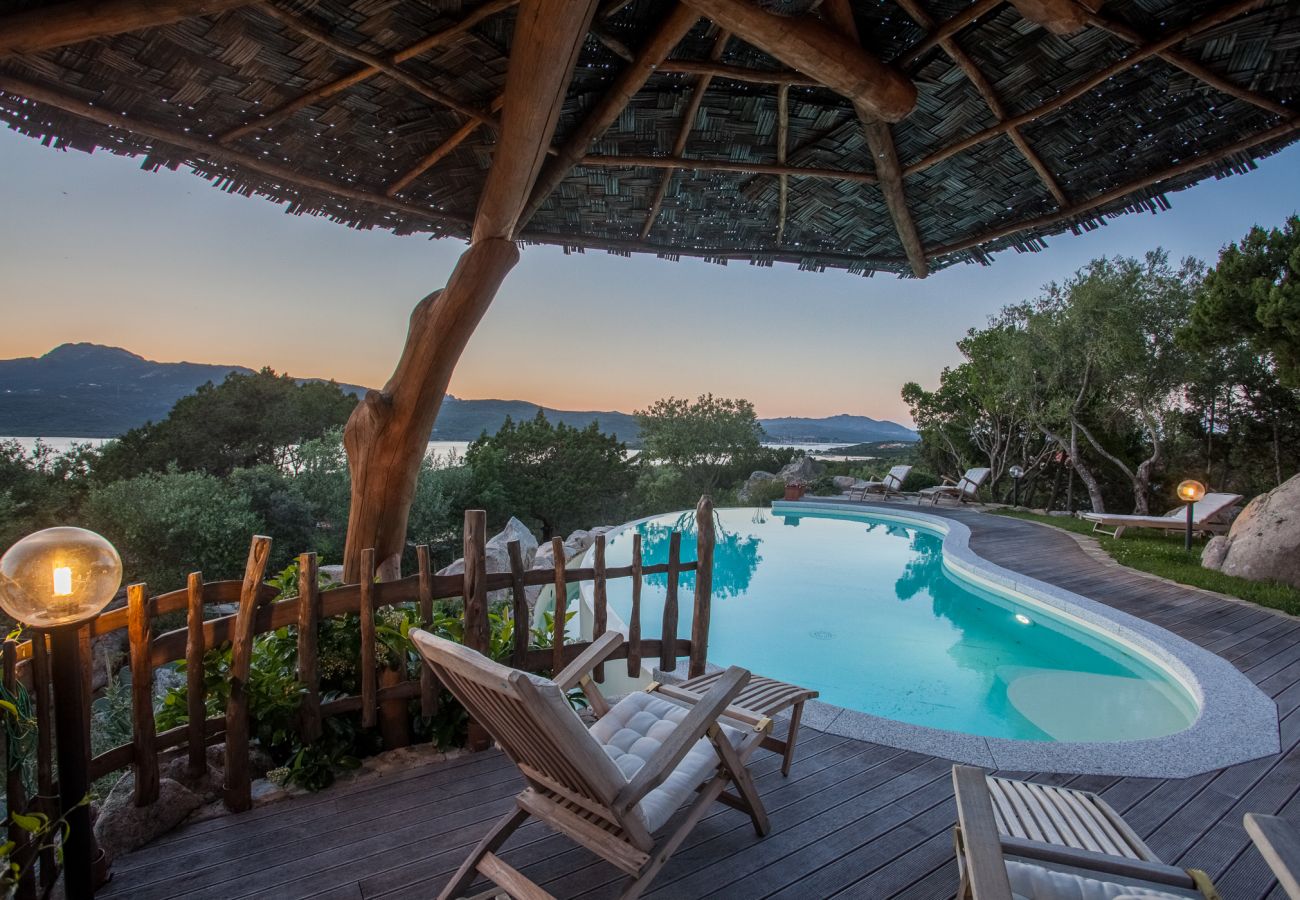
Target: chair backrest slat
[[528, 716], [897, 475], [971, 481]]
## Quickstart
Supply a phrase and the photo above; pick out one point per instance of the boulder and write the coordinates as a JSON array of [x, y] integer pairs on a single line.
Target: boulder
[[1264, 543], [165, 679], [755, 481], [515, 531], [334, 574], [578, 542], [844, 482], [109, 652], [121, 826], [804, 469]]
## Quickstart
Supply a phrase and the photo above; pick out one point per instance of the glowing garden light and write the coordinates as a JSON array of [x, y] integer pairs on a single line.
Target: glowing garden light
[[1189, 492]]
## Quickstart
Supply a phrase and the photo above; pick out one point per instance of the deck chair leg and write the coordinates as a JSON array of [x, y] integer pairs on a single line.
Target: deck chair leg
[[788, 757], [491, 842], [708, 794]]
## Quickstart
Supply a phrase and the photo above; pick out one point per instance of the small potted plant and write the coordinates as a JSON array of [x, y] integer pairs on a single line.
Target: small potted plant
[[794, 490]]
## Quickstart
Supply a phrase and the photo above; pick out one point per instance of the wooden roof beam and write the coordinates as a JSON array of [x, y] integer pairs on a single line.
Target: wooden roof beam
[[808, 45], [58, 25], [976, 77], [1218, 17], [1057, 16], [782, 145], [720, 165], [548, 37], [1276, 133], [274, 116], [680, 19], [684, 132], [884, 154], [439, 153], [737, 73]]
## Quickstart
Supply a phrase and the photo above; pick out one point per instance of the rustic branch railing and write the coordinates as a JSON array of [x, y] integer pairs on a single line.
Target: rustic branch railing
[[25, 665]]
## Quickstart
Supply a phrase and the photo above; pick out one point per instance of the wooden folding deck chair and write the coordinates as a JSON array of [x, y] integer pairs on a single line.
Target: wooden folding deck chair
[[891, 483], [1016, 839], [1279, 843], [609, 788]]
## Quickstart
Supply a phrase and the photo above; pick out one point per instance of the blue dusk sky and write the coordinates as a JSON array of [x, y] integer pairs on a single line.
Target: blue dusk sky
[[163, 264]]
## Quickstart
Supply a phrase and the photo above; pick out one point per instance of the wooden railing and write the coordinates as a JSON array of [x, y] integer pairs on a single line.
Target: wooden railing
[[260, 611]]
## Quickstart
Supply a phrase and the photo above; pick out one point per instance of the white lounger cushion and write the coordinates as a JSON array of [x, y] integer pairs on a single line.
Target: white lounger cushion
[[1035, 881], [634, 729], [1206, 508]]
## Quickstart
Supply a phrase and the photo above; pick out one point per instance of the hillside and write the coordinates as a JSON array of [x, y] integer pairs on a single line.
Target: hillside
[[88, 390]]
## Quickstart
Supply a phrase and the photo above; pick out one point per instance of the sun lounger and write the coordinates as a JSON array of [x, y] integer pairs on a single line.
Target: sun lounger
[[891, 483], [963, 489], [1029, 841], [610, 788], [1208, 515]]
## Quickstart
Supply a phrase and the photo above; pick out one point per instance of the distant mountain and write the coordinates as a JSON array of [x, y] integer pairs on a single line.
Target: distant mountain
[[835, 429], [89, 390]]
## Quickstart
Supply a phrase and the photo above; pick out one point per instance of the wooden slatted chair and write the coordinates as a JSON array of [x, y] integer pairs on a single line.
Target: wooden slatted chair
[[1279, 843], [1029, 841], [609, 788], [891, 483], [764, 697]]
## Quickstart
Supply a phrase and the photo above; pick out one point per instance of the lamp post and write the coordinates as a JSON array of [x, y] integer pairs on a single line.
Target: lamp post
[[54, 580], [1016, 473], [1189, 492]]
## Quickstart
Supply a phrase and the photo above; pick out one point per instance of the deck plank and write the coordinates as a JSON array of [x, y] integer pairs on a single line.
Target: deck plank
[[854, 819]]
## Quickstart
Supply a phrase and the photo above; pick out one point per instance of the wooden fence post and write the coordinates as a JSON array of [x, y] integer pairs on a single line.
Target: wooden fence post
[[634, 620], [15, 792], [428, 687], [600, 600], [308, 637], [519, 604], [668, 635], [561, 607], [195, 694], [477, 635], [704, 541], [366, 610], [239, 785], [140, 636]]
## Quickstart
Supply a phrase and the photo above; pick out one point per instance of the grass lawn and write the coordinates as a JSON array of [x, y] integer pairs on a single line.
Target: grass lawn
[[1163, 555]]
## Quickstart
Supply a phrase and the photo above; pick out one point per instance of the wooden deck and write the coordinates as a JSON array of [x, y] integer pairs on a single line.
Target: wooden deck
[[853, 820]]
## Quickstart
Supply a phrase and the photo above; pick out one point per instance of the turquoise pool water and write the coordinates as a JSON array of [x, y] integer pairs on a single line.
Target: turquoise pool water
[[864, 611]]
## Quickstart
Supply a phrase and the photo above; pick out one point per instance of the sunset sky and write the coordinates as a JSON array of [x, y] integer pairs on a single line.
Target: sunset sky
[[94, 249]]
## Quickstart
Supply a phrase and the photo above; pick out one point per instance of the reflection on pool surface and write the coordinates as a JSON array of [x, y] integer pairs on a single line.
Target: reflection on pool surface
[[864, 611]]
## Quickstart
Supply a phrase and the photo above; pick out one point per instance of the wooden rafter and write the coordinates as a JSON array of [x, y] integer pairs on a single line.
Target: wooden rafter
[[374, 62], [737, 73], [948, 29], [439, 153], [549, 34], [1057, 16], [884, 154], [1224, 14], [684, 132], [329, 89], [721, 165], [782, 143], [218, 153], [953, 48], [808, 45], [1191, 67], [1277, 132], [45, 27], [674, 26]]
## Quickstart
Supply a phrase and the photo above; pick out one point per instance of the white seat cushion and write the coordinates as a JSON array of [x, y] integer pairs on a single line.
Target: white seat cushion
[[634, 729], [1032, 881]]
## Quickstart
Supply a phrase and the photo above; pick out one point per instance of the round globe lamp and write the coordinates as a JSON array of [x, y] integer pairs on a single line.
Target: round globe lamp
[[53, 581], [1016, 473], [1189, 492]]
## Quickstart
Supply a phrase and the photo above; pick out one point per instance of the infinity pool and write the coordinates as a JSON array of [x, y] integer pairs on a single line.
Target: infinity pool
[[863, 610]]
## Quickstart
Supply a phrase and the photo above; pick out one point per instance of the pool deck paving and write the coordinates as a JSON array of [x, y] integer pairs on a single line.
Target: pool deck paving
[[854, 819]]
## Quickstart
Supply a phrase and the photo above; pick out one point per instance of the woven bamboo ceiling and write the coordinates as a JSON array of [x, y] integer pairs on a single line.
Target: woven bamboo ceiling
[[677, 136]]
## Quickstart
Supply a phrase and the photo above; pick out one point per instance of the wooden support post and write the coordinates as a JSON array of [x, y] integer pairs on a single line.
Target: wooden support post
[[308, 638], [599, 600], [671, 30], [195, 693], [477, 633], [47, 795], [239, 783], [15, 790], [634, 618], [704, 542], [561, 606], [60, 24], [143, 736], [668, 634], [518, 604], [428, 685], [369, 661], [807, 45], [387, 435]]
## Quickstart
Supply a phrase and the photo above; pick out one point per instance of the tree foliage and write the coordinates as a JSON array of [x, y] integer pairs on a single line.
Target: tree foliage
[[247, 420], [700, 440]]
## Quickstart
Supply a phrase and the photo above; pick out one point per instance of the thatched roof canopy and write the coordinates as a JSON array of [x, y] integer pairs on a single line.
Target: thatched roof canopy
[[1030, 117]]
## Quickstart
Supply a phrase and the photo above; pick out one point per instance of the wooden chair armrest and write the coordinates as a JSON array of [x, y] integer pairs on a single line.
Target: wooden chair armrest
[[696, 724], [985, 867], [1279, 844], [588, 659], [947, 480], [1097, 862]]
